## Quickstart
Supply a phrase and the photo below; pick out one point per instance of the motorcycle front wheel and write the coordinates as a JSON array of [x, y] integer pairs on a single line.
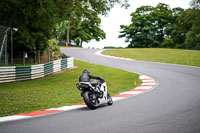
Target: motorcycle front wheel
[[90, 99], [110, 101]]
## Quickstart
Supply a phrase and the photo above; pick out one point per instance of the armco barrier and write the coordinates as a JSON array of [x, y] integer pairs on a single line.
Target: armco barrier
[[18, 73]]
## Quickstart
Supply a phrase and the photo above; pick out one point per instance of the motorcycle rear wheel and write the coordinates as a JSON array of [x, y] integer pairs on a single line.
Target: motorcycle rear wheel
[[90, 99]]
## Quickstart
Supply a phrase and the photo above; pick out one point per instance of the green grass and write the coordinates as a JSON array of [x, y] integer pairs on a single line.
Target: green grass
[[62, 46], [60, 90], [172, 56]]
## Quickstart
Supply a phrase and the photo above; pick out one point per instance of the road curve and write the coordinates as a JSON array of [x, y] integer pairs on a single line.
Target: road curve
[[174, 106]]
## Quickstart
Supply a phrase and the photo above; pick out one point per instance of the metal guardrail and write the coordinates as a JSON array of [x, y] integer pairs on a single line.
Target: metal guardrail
[[19, 73]]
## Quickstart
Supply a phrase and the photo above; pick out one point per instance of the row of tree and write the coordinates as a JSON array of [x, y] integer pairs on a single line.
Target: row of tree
[[38, 21], [162, 26]]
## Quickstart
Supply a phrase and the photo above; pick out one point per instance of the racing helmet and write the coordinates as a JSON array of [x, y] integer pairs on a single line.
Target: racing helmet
[[86, 71]]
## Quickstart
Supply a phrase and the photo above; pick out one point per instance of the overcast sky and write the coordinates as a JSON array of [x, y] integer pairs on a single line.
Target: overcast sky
[[120, 16]]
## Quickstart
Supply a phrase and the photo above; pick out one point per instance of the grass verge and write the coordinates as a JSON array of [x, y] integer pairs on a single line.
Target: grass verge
[[172, 56], [60, 90]]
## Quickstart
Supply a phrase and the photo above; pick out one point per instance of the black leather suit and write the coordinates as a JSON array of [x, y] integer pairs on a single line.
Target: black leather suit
[[86, 76]]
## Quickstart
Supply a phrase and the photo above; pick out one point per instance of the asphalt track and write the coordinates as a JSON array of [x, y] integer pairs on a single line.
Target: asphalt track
[[172, 107]]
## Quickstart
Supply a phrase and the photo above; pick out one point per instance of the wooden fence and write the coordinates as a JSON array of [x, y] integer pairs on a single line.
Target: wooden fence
[[19, 73]]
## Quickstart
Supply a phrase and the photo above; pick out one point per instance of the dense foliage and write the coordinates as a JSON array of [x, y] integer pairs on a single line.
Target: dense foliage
[[162, 26], [38, 21]]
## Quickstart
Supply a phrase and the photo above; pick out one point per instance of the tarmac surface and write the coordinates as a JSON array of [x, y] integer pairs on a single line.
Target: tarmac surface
[[173, 106]]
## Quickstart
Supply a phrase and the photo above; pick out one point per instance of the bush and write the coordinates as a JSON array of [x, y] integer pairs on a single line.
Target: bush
[[180, 46], [167, 43], [111, 47], [192, 39], [54, 48]]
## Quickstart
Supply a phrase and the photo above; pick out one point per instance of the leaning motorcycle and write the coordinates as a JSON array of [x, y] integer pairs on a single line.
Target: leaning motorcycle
[[93, 97]]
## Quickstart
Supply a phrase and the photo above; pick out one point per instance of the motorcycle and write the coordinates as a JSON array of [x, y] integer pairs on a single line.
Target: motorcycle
[[93, 97]]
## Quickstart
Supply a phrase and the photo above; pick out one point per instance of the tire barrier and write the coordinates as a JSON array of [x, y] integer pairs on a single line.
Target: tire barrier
[[19, 73]]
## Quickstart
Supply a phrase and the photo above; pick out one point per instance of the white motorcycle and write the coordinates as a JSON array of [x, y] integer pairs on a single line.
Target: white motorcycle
[[93, 97]]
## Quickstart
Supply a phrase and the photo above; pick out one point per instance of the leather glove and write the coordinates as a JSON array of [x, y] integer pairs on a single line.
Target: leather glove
[[102, 80]]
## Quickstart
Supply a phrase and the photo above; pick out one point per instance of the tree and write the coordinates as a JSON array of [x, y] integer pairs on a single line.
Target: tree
[[83, 28], [180, 28], [173, 32], [37, 20], [153, 27], [192, 39], [87, 29], [78, 20], [163, 19], [195, 4], [186, 29], [141, 32], [34, 20], [193, 34]]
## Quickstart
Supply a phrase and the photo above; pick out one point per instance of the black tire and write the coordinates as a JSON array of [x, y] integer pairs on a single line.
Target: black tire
[[110, 101], [88, 97]]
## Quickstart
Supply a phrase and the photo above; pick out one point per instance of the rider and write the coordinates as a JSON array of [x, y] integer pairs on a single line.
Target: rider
[[86, 76]]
